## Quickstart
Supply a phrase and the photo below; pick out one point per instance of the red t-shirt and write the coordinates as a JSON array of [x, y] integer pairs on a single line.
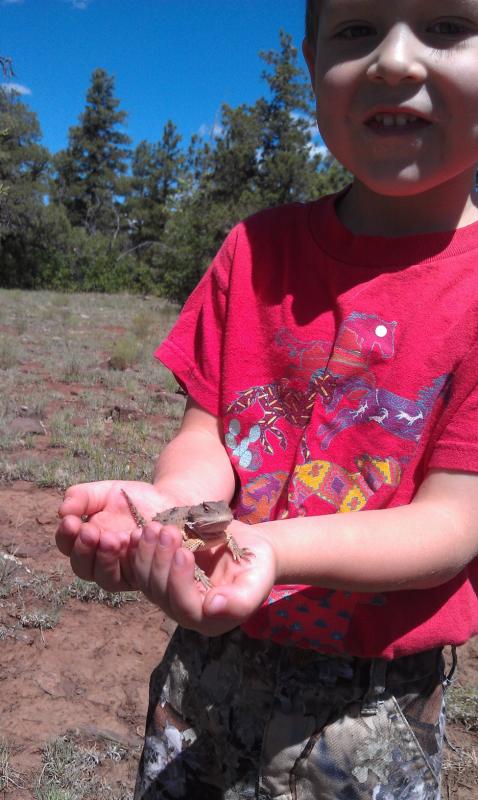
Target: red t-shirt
[[342, 368]]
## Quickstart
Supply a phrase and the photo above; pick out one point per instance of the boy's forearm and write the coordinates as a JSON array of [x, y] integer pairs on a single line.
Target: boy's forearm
[[194, 467], [408, 547]]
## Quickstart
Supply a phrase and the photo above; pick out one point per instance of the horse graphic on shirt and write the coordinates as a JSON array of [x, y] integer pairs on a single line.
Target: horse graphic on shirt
[[399, 416]]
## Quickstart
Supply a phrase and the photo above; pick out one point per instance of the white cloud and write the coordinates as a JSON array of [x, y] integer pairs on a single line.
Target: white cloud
[[319, 149], [18, 88], [81, 5], [214, 131]]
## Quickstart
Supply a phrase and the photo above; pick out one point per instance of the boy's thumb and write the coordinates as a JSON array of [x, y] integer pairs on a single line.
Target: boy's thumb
[[217, 604]]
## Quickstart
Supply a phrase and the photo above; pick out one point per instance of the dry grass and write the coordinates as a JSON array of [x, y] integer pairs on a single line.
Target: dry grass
[[83, 369], [82, 399], [9, 778], [72, 771]]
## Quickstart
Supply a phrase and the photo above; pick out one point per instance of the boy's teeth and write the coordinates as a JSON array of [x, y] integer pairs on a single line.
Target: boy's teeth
[[389, 120]]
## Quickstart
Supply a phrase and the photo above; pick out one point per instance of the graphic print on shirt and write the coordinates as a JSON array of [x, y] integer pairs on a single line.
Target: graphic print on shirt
[[361, 339], [340, 377], [342, 490], [345, 491], [280, 433], [399, 415]]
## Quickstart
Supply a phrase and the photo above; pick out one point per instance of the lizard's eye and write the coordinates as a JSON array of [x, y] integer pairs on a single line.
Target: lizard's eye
[[206, 507]]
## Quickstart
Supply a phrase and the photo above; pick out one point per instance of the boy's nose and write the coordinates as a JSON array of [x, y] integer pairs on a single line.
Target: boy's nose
[[397, 58]]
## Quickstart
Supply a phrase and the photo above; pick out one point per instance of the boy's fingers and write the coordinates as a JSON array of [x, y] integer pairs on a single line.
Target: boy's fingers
[[230, 603], [185, 597], [107, 567], [239, 599], [152, 559], [67, 533], [83, 553], [85, 499]]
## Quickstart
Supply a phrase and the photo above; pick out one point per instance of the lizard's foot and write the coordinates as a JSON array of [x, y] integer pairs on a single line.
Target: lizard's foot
[[201, 576], [238, 552]]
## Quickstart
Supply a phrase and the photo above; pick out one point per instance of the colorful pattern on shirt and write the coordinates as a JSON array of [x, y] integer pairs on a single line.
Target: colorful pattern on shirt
[[341, 374]]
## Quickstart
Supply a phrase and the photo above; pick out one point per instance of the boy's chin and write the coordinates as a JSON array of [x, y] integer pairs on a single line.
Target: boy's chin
[[407, 184]]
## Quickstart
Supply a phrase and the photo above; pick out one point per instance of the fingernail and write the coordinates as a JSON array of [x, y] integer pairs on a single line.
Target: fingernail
[[180, 557], [217, 604], [165, 539], [149, 534]]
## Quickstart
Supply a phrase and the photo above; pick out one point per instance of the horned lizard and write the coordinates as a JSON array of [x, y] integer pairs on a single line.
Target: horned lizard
[[202, 526]]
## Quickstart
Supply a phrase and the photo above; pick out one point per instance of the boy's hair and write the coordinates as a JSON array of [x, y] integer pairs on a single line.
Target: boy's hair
[[311, 21]]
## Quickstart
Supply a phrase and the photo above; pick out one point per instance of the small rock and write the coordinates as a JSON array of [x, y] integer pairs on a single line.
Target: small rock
[[44, 519], [168, 626], [22, 636], [24, 425]]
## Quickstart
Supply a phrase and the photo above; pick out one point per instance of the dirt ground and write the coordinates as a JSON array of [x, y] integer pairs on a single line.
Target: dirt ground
[[86, 678]]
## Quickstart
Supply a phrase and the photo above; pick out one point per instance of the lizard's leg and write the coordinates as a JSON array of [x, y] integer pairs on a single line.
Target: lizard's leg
[[237, 552], [194, 544], [199, 574]]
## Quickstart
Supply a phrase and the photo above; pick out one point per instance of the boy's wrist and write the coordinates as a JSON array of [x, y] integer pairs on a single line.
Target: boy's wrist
[[281, 554]]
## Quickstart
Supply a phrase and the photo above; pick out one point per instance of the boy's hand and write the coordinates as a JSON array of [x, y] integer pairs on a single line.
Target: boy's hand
[[164, 571], [97, 530]]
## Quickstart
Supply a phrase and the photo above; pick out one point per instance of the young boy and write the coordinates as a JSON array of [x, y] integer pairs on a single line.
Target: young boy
[[329, 355]]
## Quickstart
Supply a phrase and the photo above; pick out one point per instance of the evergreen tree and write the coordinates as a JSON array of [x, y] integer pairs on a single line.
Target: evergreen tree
[[23, 168], [234, 168], [287, 160], [88, 172], [156, 174]]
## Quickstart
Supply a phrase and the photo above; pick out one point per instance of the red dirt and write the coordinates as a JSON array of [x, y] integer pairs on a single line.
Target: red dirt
[[89, 674]]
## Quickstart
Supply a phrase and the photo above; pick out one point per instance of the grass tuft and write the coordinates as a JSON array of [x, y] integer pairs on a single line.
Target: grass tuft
[[89, 592], [9, 778], [126, 352], [44, 619], [67, 772], [9, 353], [462, 706]]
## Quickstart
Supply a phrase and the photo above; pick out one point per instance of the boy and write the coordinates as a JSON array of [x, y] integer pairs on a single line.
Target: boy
[[329, 355]]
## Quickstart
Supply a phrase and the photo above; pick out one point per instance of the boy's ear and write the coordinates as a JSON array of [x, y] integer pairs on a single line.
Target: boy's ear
[[309, 55]]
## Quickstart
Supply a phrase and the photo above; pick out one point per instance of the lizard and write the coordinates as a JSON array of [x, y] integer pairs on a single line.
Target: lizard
[[202, 526]]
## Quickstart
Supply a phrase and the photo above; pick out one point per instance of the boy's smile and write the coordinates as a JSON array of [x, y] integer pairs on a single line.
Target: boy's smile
[[397, 91]]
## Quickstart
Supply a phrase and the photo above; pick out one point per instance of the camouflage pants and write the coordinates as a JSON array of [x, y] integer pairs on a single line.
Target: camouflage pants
[[232, 718]]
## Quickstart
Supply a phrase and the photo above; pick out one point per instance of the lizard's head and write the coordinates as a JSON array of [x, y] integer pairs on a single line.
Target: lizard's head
[[209, 518]]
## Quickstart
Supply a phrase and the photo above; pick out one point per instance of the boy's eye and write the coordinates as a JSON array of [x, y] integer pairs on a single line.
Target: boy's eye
[[447, 27], [355, 31]]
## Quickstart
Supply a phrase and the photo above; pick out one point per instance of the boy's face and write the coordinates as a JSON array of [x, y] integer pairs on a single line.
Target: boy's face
[[396, 83]]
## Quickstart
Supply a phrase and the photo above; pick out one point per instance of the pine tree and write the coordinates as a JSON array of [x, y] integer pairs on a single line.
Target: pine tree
[[287, 160], [23, 169], [88, 172], [157, 170], [234, 164]]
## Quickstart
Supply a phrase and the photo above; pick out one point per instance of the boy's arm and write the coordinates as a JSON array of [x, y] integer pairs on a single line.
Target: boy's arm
[[417, 546], [195, 466]]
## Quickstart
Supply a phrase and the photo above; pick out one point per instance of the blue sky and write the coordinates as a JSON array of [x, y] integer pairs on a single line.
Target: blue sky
[[172, 59]]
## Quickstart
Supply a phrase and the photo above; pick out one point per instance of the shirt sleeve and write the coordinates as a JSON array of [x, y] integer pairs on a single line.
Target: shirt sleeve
[[193, 350], [454, 444]]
